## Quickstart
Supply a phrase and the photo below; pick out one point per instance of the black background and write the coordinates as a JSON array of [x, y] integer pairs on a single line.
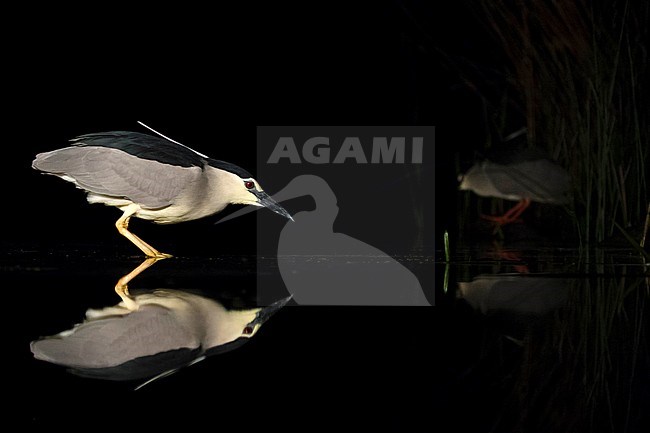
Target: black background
[[206, 77]]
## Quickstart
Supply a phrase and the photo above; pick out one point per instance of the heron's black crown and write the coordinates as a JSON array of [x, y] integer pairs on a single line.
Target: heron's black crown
[[155, 148]]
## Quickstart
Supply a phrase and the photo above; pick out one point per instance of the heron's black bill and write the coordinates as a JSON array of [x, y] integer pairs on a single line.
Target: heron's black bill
[[266, 312], [267, 201]]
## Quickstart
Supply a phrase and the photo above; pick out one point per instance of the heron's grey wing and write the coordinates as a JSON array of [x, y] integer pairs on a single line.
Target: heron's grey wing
[[115, 173], [539, 180], [115, 340], [163, 363]]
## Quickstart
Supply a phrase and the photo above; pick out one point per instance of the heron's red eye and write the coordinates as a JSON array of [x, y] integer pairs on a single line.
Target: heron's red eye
[[248, 330], [249, 184]]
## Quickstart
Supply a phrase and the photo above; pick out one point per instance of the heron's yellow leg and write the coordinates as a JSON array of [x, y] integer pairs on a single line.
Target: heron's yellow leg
[[122, 288], [122, 225]]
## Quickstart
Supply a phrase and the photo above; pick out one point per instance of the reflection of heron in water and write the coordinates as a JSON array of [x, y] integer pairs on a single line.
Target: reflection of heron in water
[[515, 304], [321, 267], [151, 334], [514, 294]]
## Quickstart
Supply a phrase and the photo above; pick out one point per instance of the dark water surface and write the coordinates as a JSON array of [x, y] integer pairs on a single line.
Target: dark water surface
[[539, 340]]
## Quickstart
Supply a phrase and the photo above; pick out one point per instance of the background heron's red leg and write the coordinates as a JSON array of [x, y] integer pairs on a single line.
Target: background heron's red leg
[[511, 215]]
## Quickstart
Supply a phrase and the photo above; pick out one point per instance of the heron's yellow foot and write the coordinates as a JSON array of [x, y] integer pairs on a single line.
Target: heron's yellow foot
[[158, 255]]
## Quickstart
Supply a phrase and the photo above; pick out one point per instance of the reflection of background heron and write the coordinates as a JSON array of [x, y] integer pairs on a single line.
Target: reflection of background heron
[[321, 267], [514, 294], [149, 334]]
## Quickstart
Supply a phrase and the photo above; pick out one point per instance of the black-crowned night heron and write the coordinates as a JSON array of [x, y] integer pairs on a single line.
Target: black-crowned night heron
[[153, 178], [524, 175], [154, 334]]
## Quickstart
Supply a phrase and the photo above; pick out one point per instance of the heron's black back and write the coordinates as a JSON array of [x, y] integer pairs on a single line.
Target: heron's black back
[[143, 146], [154, 148]]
